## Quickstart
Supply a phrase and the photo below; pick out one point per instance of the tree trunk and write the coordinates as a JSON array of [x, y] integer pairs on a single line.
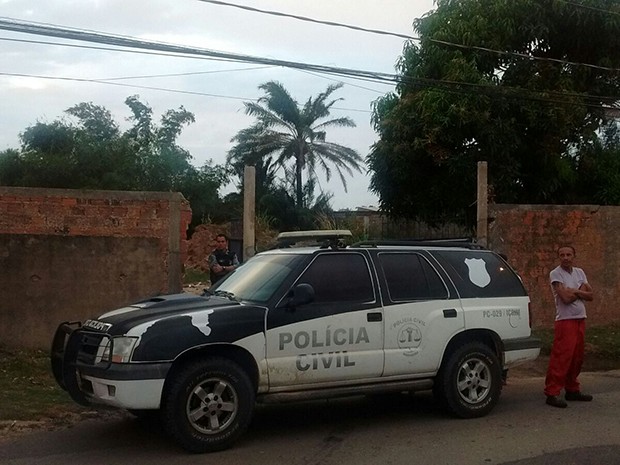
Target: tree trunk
[[299, 164]]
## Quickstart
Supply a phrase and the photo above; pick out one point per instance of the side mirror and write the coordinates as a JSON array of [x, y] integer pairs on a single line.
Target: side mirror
[[300, 295]]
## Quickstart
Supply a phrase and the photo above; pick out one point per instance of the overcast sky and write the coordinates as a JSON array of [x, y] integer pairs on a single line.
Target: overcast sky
[[219, 116]]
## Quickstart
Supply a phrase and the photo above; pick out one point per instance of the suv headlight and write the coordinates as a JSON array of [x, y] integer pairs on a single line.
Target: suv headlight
[[122, 348]]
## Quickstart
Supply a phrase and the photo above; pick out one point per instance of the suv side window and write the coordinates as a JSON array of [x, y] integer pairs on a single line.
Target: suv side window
[[410, 277], [481, 274], [339, 278]]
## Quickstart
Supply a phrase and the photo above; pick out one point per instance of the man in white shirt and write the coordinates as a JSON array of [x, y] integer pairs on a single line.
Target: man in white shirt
[[570, 289]]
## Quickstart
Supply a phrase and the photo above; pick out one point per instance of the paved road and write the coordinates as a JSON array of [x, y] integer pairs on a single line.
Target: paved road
[[522, 430]]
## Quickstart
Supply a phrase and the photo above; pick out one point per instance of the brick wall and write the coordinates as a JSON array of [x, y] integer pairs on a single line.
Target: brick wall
[[530, 235], [70, 255]]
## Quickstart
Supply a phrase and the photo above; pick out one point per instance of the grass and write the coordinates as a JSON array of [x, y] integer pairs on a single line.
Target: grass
[[194, 275], [602, 346], [28, 391], [601, 341]]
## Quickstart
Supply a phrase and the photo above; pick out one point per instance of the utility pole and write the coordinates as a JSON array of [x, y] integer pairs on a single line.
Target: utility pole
[[482, 210], [249, 212]]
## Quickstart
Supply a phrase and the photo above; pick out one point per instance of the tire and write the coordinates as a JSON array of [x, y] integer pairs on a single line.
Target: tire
[[208, 405], [470, 382]]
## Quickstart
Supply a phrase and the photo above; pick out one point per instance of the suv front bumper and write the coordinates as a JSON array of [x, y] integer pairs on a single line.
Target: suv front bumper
[[78, 369]]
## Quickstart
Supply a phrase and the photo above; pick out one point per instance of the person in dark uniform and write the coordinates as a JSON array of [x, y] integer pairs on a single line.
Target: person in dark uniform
[[221, 261]]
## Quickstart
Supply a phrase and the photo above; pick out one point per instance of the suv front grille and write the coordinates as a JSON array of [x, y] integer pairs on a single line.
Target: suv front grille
[[90, 347]]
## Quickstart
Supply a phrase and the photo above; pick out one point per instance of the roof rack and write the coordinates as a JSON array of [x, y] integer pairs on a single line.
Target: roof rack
[[325, 237], [464, 242]]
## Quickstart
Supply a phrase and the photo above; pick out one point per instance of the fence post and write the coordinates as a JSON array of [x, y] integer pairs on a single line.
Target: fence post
[[249, 207], [482, 211]]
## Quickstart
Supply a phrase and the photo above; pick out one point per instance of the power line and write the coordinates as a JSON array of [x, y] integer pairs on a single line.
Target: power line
[[18, 26], [588, 7], [453, 86], [120, 50], [340, 80], [524, 55], [162, 89], [418, 39], [98, 81], [110, 49], [192, 73], [377, 31], [310, 20], [124, 41]]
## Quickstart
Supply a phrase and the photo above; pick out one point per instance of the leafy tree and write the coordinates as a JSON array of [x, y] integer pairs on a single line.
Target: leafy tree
[[48, 157], [286, 133], [11, 168], [161, 162], [497, 81], [91, 152], [200, 187], [599, 163]]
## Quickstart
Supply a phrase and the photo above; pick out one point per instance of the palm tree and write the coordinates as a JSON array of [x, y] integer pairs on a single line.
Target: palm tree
[[283, 132]]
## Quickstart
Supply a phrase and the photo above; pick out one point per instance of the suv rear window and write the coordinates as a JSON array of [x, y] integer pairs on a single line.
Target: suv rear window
[[410, 277], [480, 274]]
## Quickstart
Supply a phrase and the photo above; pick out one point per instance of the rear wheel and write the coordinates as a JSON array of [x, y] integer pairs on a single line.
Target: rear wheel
[[208, 405], [470, 381]]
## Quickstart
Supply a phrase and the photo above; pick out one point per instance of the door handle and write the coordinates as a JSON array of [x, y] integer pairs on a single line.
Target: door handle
[[449, 313], [374, 316]]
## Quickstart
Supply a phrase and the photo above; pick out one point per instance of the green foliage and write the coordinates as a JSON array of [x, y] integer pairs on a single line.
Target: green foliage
[[11, 168], [535, 121], [599, 166], [328, 221], [27, 388], [194, 275], [89, 151], [601, 341], [290, 138]]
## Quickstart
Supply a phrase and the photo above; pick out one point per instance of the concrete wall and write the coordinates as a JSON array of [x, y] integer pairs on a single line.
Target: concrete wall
[[71, 254], [530, 235]]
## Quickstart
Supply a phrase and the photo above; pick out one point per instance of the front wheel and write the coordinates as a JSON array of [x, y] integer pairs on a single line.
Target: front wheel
[[208, 405], [470, 381]]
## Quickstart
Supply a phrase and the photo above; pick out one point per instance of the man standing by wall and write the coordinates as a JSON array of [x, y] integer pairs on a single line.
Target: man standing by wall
[[570, 289], [222, 261]]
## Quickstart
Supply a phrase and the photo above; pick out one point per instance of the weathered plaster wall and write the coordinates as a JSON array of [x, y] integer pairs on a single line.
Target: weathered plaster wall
[[70, 255]]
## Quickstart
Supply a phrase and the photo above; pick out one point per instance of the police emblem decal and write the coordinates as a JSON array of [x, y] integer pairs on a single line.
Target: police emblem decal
[[478, 273], [409, 338]]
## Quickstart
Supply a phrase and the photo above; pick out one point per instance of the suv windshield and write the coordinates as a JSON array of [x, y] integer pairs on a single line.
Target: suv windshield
[[259, 278]]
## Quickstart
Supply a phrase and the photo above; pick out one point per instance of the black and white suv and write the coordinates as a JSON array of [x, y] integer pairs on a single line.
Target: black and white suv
[[306, 323]]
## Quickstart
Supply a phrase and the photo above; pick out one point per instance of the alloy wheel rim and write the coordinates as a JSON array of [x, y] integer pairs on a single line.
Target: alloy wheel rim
[[212, 406], [474, 381]]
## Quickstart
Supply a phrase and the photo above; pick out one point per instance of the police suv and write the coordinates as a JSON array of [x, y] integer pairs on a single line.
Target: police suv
[[298, 323]]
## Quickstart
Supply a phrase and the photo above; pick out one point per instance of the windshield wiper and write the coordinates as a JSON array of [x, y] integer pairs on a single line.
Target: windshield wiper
[[228, 295]]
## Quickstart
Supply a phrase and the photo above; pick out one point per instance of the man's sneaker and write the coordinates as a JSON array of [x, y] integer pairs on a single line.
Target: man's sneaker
[[555, 401], [578, 396]]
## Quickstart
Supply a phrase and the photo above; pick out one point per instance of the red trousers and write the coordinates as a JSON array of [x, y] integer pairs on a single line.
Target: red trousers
[[566, 357]]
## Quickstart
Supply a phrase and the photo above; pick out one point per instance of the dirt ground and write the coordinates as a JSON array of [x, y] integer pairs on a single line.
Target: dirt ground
[[536, 368], [68, 417], [62, 418]]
